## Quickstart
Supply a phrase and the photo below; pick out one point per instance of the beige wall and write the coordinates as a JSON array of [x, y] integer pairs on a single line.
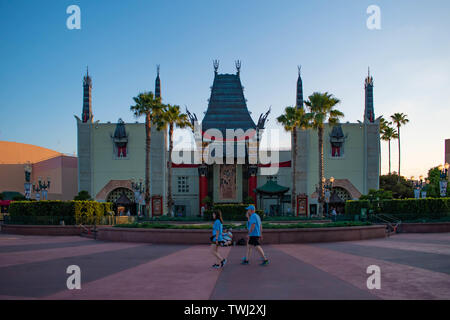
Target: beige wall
[[62, 171], [106, 166], [350, 166]]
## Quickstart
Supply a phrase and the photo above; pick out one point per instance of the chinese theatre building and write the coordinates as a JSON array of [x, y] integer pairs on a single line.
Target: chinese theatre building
[[233, 169]]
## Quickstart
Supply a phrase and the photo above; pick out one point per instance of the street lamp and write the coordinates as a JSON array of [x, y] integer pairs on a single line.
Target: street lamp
[[443, 179], [27, 184], [138, 189], [328, 188]]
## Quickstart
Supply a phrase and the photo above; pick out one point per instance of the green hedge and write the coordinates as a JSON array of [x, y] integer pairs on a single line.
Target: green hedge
[[404, 209], [52, 210], [231, 212]]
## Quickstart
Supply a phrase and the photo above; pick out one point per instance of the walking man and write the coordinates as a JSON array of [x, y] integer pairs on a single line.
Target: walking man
[[254, 236]]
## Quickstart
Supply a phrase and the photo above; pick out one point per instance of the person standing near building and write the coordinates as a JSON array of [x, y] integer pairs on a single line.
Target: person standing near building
[[254, 236], [217, 239], [333, 213]]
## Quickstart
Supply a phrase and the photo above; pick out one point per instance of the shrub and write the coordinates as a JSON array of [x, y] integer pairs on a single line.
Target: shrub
[[404, 209], [80, 211], [231, 212]]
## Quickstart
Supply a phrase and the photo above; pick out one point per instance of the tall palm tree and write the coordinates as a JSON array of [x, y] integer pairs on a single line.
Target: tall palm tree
[[150, 106], [172, 117], [387, 134], [321, 106], [292, 119], [399, 119]]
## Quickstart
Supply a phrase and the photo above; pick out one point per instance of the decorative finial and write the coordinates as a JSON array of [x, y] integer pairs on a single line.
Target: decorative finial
[[216, 65], [87, 71], [238, 66], [299, 70], [157, 70], [368, 72]]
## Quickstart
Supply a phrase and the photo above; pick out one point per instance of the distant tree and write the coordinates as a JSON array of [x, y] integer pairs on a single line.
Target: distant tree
[[1, 196], [377, 195], [433, 188], [19, 198], [399, 186], [292, 119], [322, 106], [171, 117], [150, 106], [399, 120], [387, 134], [83, 195]]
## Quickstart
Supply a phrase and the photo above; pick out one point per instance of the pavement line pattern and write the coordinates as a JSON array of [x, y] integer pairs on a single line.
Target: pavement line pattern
[[185, 274], [285, 278], [409, 246], [397, 281], [22, 257], [413, 266]]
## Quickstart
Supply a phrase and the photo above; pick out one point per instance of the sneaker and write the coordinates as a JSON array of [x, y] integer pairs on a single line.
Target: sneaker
[[265, 262], [223, 263], [244, 261], [216, 266]]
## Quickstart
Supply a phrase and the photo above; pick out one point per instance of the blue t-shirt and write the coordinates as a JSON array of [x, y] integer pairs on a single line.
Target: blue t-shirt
[[255, 220], [217, 230]]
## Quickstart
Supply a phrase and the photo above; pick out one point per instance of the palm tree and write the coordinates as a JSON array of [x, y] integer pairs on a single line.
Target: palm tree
[[387, 134], [292, 119], [321, 106], [172, 117], [146, 104], [399, 119]]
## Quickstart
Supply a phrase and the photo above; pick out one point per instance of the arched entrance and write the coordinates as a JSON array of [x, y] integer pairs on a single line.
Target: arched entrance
[[122, 198], [338, 198]]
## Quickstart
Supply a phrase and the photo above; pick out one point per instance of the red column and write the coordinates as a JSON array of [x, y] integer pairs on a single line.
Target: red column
[[252, 183], [203, 186]]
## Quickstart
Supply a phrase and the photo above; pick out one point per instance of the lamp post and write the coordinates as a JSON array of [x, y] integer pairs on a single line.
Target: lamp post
[[138, 189], [27, 184], [328, 189], [443, 181]]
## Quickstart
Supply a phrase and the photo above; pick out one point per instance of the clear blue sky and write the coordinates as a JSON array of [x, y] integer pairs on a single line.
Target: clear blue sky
[[42, 62]]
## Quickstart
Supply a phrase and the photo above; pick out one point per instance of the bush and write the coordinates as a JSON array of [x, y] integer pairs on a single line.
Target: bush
[[404, 209], [80, 211], [231, 212], [82, 196]]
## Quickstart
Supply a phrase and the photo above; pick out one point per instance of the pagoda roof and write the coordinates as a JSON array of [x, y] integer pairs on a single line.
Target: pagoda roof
[[272, 188], [227, 108]]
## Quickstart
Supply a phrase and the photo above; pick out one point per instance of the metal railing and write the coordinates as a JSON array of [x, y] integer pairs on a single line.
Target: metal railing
[[392, 223]]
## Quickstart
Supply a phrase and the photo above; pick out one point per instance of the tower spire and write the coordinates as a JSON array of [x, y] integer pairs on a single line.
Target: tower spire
[[157, 83], [369, 113], [87, 98], [238, 66], [216, 66], [299, 102]]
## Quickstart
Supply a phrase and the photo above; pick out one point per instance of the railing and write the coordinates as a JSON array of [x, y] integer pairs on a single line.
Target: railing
[[392, 223]]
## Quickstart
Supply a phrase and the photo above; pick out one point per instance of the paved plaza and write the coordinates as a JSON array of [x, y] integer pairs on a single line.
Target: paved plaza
[[413, 266]]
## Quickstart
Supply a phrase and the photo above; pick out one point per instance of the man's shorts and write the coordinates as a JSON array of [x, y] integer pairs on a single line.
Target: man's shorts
[[254, 241]]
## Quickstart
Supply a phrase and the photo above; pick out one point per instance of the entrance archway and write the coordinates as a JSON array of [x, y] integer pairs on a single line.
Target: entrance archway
[[122, 197]]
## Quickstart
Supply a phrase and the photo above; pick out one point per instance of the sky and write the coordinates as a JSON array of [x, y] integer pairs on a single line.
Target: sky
[[43, 62]]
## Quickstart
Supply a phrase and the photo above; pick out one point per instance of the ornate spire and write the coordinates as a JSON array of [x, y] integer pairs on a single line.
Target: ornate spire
[[216, 66], [299, 102], [238, 66], [87, 98], [157, 83], [369, 113]]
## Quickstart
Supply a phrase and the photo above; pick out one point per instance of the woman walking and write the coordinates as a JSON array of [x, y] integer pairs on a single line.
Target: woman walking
[[216, 239]]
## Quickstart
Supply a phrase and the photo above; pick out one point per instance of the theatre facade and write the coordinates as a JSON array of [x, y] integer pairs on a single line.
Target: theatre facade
[[227, 165]]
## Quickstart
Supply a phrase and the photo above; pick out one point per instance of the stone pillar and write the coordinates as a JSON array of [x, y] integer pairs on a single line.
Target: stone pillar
[[203, 185], [252, 182]]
